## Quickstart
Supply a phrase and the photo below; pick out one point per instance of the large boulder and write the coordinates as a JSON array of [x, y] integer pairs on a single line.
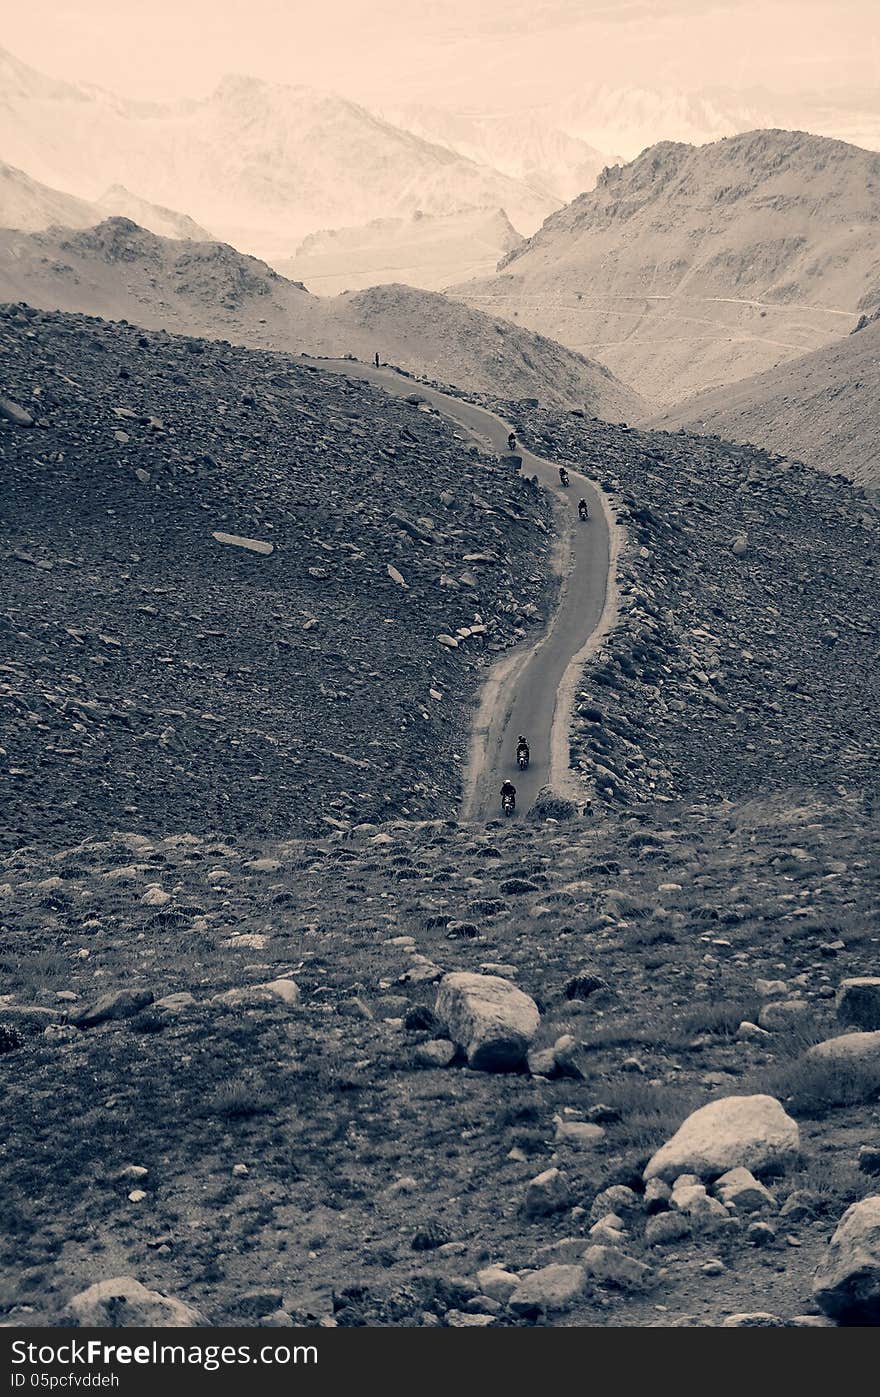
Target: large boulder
[[847, 1281], [749, 1131], [123, 1303], [552, 1288], [489, 1018], [858, 1002], [849, 1049]]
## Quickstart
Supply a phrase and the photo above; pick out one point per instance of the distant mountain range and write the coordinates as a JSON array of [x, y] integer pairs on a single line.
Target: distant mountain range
[[261, 164], [693, 267], [119, 271], [429, 252], [30, 206]]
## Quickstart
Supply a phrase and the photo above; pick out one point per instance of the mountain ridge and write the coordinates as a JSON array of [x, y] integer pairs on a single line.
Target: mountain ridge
[[694, 266], [121, 272]]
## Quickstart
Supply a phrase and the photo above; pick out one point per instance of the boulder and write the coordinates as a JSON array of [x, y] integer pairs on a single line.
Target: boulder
[[547, 1193], [610, 1266], [489, 1018], [665, 1228], [119, 1004], [579, 1134], [549, 1290], [497, 1282], [123, 1303], [740, 1187], [782, 1013], [849, 1048], [11, 412], [438, 1052], [847, 1281], [751, 1131], [858, 1002]]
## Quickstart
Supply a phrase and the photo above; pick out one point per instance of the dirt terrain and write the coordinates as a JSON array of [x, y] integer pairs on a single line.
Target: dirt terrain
[[250, 1156]]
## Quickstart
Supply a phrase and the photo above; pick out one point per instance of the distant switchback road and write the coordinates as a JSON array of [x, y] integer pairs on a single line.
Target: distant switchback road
[[528, 690]]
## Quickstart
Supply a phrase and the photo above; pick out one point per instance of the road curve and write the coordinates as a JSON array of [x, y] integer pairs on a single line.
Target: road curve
[[528, 691]]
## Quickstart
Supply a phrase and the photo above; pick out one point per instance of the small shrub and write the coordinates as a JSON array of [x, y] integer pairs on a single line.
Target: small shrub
[[551, 806]]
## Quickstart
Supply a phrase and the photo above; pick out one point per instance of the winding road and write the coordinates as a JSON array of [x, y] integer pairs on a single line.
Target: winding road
[[530, 689]]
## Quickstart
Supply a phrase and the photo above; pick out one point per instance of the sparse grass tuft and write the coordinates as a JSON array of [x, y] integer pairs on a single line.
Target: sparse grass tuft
[[812, 1086]]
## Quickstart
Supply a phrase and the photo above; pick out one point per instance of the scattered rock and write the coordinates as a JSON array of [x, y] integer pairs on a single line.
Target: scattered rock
[[547, 1193]]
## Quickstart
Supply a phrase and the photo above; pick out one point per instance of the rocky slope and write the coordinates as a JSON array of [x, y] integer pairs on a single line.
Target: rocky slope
[[419, 251], [262, 164], [821, 409], [277, 1122], [168, 223], [315, 1150], [693, 267], [152, 664], [119, 271], [744, 655]]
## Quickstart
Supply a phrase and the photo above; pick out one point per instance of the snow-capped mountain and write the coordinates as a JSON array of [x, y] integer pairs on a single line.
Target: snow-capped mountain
[[262, 164]]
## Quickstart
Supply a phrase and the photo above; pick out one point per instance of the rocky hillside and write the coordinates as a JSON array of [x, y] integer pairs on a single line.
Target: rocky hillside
[[693, 267], [744, 660], [119, 271], [276, 1122], [821, 409], [419, 251], [232, 588]]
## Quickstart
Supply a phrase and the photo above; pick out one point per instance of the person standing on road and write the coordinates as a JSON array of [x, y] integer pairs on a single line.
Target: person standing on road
[[377, 358]]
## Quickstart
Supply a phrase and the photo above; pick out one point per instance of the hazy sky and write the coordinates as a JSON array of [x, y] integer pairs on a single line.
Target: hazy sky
[[457, 52]]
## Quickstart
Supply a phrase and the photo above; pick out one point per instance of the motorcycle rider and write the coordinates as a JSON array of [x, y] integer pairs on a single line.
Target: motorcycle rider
[[511, 441], [508, 790], [522, 748], [563, 475], [582, 509]]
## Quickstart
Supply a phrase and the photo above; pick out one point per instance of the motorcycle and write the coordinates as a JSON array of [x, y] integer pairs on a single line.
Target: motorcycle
[[582, 511], [511, 442], [563, 477], [522, 758], [508, 804]]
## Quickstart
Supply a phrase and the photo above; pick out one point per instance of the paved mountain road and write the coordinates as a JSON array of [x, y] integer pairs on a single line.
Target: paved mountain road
[[528, 691]]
